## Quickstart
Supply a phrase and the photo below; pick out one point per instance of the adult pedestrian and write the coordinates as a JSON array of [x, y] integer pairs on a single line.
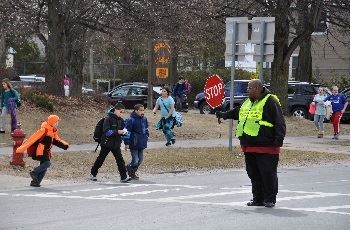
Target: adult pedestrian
[[66, 84], [113, 129], [137, 127], [261, 131], [320, 112], [339, 104], [178, 93], [166, 105], [45, 137], [9, 99]]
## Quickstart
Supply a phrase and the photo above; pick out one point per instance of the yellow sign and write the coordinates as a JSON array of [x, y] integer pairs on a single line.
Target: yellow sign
[[162, 72], [162, 52]]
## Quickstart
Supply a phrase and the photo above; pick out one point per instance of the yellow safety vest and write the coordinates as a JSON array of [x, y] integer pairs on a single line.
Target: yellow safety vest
[[250, 117]]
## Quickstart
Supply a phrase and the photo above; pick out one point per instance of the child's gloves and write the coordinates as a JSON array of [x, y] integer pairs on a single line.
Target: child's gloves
[[109, 133]]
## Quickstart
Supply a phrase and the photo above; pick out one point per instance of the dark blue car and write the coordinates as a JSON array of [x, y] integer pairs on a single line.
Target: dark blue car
[[240, 90]]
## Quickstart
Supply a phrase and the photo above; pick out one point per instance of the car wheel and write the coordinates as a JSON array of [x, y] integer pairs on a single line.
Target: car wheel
[[299, 112], [205, 108]]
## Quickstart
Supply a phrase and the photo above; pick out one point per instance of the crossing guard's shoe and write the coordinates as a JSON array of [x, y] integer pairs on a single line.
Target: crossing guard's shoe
[[255, 203], [269, 204]]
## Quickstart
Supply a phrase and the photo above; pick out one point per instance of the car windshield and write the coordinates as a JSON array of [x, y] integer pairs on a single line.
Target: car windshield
[[240, 88]]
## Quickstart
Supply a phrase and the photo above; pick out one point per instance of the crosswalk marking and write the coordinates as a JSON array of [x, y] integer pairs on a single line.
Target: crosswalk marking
[[183, 196]]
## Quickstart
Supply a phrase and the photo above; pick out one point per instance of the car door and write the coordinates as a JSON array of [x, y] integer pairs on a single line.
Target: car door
[[119, 95], [136, 95]]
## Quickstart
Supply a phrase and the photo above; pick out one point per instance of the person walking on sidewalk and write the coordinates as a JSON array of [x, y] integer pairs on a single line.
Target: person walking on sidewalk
[[166, 104], [320, 112], [113, 129], [42, 140], [339, 104], [261, 131], [9, 97], [137, 127]]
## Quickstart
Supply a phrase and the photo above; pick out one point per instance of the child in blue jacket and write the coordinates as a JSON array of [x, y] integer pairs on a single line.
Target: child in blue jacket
[[137, 126]]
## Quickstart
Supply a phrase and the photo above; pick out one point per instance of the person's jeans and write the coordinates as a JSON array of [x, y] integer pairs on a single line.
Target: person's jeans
[[318, 121], [179, 100], [137, 158], [4, 111], [167, 128], [41, 169]]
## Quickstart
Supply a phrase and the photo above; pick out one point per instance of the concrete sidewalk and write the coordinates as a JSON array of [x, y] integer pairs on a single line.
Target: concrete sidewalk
[[305, 143]]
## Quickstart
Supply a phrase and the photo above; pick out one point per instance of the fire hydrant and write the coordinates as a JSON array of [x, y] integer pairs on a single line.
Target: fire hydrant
[[18, 137]]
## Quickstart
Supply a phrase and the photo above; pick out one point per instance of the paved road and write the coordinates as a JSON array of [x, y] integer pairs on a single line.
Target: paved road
[[306, 143], [309, 198]]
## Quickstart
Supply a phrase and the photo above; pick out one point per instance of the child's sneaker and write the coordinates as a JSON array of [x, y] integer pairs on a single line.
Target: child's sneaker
[[92, 177], [34, 184], [33, 176], [126, 180], [135, 176]]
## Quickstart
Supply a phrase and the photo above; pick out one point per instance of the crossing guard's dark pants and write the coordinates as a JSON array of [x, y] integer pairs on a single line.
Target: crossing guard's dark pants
[[262, 170]]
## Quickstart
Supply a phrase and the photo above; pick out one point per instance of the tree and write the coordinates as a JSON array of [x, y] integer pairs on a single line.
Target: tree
[[334, 14]]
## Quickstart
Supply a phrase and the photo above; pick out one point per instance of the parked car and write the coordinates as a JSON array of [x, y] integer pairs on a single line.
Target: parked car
[[240, 90], [300, 95], [346, 116], [130, 94]]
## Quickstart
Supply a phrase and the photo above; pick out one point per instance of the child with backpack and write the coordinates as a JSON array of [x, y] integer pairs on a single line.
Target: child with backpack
[[111, 139], [137, 127], [42, 141]]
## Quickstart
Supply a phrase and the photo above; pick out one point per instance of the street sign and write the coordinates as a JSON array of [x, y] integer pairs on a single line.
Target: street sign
[[266, 32], [214, 91]]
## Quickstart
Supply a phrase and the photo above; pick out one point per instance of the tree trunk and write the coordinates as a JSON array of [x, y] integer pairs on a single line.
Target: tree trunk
[[174, 69], [280, 65], [76, 67], [55, 67], [75, 58], [304, 66], [2, 50]]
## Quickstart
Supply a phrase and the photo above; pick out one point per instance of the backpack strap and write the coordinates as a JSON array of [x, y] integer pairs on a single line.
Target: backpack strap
[[165, 106]]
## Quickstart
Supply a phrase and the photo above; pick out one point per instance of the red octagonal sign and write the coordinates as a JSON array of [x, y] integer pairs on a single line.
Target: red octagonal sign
[[214, 91]]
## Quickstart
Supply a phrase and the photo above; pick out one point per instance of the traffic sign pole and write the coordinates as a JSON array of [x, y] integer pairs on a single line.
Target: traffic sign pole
[[263, 31], [232, 77]]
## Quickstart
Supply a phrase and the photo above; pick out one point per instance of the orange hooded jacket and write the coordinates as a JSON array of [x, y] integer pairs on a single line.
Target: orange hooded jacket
[[47, 136]]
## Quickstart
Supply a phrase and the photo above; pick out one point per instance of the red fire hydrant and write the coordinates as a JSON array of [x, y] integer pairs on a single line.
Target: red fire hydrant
[[18, 137]]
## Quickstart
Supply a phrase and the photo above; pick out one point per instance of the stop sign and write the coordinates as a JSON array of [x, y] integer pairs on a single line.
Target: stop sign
[[214, 91]]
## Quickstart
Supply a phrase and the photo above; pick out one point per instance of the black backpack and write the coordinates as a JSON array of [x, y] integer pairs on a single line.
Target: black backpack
[[98, 130]]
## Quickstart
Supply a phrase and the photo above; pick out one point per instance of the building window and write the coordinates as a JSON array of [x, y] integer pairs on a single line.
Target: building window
[[322, 26]]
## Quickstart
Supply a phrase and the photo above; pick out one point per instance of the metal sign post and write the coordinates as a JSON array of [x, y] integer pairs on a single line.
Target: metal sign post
[[237, 32]]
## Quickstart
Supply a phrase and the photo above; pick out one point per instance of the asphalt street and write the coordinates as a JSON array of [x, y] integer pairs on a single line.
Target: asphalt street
[[309, 198]]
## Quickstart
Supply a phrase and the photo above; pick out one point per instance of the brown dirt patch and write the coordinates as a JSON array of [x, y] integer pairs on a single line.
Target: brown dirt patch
[[76, 165], [80, 115]]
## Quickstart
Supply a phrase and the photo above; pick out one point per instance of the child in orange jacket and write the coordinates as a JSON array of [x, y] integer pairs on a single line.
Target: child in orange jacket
[[46, 136]]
